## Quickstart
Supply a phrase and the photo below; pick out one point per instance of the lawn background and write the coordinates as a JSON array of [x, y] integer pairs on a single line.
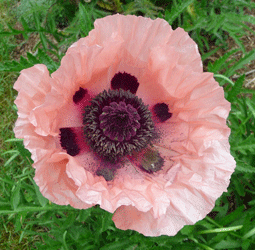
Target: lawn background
[[40, 31]]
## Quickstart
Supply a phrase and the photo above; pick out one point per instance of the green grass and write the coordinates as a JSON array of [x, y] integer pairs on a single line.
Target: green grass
[[28, 220]]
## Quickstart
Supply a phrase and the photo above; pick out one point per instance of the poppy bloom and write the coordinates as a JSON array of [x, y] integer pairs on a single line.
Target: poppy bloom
[[129, 121]]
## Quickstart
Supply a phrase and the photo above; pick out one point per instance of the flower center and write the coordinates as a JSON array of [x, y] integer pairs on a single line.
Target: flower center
[[117, 123]]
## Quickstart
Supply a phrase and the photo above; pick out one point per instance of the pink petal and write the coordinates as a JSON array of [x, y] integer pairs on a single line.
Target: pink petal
[[128, 217], [55, 184]]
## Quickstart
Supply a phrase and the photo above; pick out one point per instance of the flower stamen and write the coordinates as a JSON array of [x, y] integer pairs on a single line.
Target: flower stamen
[[117, 123], [120, 121]]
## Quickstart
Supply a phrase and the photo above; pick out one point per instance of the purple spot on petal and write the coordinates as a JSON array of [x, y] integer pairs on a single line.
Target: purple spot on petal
[[79, 95], [68, 141], [162, 112], [124, 81]]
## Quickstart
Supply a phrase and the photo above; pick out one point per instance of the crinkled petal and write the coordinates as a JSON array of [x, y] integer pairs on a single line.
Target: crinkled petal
[[54, 182], [141, 34], [194, 185], [33, 85], [129, 217], [36, 128]]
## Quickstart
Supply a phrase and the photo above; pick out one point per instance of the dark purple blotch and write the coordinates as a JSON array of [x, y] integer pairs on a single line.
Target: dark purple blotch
[[124, 81], [68, 141], [79, 95], [161, 110]]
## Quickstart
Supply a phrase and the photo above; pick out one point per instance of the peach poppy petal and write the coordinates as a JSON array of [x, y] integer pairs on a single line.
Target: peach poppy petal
[[150, 34], [188, 49], [33, 84], [55, 184], [192, 193], [143, 193], [129, 217]]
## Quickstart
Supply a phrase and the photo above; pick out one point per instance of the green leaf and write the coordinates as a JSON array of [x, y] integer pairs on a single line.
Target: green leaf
[[84, 20], [246, 244], [83, 215], [43, 40], [236, 89], [24, 23], [18, 222], [11, 159], [219, 21], [25, 27], [251, 203], [25, 63], [45, 59], [176, 10], [232, 216], [246, 146], [12, 66], [64, 241], [210, 53], [249, 234], [15, 198], [249, 91], [23, 152], [247, 224], [245, 60], [238, 40], [69, 221], [14, 31], [244, 167], [220, 230], [32, 59], [118, 245], [42, 200], [227, 244], [220, 63], [36, 21], [187, 230], [51, 23], [251, 105], [239, 187], [106, 221]]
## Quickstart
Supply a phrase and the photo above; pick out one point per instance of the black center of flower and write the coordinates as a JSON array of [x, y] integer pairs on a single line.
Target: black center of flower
[[116, 124]]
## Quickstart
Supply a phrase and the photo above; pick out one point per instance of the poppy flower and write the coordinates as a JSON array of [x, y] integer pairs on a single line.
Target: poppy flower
[[129, 121]]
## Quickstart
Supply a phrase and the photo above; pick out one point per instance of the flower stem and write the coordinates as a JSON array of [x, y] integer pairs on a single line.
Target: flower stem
[[36, 209], [64, 241], [219, 226], [221, 230], [225, 78], [201, 245]]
